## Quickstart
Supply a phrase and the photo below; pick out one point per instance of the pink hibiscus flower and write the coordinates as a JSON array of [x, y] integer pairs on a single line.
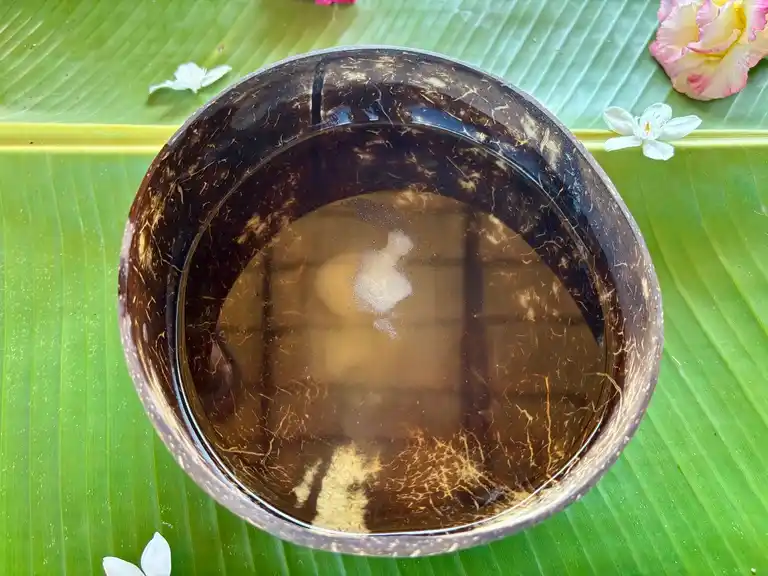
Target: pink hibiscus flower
[[707, 47]]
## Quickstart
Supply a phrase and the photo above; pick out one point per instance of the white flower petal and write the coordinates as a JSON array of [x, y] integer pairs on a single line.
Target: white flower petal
[[190, 76], [652, 120], [620, 121], [215, 74], [679, 127], [622, 142], [166, 84], [156, 558], [656, 150], [657, 114], [116, 567]]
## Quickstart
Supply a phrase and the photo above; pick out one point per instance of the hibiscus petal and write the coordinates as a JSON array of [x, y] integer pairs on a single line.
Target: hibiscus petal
[[719, 78], [721, 32], [666, 9], [757, 16], [622, 142], [116, 567], [656, 150], [156, 558], [690, 74], [620, 121], [706, 13], [679, 127], [668, 5], [214, 74], [710, 75], [714, 44], [674, 35], [758, 48]]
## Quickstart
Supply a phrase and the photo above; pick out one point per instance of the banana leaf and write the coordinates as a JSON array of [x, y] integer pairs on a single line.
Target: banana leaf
[[82, 474], [93, 61]]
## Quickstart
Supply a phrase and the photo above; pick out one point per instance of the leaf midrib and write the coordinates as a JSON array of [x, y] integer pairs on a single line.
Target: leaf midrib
[[149, 138]]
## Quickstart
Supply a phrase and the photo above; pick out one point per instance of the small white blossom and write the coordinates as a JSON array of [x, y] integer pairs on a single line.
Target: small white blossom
[[190, 76], [655, 124], [155, 561]]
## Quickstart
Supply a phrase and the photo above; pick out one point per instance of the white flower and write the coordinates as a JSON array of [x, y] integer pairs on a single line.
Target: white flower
[[190, 76], [655, 124], [155, 561]]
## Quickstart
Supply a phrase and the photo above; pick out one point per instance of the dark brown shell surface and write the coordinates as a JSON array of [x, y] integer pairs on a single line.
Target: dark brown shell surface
[[245, 127]]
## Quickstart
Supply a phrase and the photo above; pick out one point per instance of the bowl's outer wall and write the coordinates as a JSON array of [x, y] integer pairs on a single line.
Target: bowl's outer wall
[[295, 99]]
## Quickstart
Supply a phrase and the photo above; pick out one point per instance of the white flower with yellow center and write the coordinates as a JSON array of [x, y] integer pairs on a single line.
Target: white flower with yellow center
[[652, 130]]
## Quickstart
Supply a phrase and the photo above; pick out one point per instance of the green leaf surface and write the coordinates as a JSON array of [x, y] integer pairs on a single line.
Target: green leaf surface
[[82, 474], [93, 61]]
